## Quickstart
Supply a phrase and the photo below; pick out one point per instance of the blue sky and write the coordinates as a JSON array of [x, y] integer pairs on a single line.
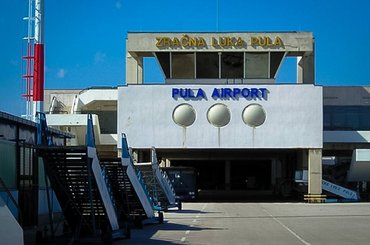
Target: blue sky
[[85, 39]]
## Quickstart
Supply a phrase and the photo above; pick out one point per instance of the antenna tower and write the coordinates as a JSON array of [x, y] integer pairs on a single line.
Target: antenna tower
[[33, 59]]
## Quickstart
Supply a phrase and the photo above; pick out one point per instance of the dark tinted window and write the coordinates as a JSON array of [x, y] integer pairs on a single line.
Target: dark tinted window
[[232, 65], [356, 118], [183, 65], [207, 65]]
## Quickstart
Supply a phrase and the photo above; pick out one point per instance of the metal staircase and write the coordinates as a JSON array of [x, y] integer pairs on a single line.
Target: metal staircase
[[340, 191], [84, 190], [140, 188], [128, 202], [154, 190], [158, 184], [301, 177], [71, 178]]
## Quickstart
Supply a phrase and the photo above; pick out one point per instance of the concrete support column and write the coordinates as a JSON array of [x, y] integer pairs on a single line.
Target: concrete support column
[[306, 68], [140, 70], [314, 171], [164, 163], [161, 163], [168, 163], [227, 175], [135, 156], [134, 69]]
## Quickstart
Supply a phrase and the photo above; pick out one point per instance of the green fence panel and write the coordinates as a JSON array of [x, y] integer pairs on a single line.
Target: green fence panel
[[8, 166]]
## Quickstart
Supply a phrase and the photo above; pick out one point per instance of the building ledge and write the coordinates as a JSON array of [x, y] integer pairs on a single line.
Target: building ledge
[[346, 136]]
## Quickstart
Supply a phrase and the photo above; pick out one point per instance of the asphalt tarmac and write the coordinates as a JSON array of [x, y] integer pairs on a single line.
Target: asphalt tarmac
[[260, 223]]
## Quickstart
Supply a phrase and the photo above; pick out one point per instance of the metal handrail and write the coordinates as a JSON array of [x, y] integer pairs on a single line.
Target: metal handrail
[[109, 188], [2, 183], [145, 188]]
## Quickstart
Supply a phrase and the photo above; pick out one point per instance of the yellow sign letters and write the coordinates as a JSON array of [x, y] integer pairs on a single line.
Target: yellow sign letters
[[222, 42]]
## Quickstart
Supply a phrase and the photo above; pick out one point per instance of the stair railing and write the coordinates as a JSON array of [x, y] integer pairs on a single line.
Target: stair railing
[[109, 187], [145, 187], [162, 178], [167, 179]]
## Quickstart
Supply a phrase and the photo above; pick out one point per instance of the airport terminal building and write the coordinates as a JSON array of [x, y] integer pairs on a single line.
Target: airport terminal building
[[221, 112]]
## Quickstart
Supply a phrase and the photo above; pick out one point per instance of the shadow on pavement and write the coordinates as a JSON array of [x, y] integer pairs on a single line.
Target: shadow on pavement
[[189, 211], [147, 234]]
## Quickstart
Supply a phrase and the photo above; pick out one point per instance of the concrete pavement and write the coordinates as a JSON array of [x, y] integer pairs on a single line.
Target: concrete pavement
[[260, 223]]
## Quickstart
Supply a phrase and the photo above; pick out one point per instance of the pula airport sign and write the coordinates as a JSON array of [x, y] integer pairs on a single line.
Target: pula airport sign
[[220, 93]]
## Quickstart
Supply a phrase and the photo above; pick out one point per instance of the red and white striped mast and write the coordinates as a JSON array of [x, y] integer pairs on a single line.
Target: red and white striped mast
[[34, 58], [38, 69]]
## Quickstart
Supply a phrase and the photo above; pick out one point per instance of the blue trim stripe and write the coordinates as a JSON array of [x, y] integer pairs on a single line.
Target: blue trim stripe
[[125, 152], [90, 138]]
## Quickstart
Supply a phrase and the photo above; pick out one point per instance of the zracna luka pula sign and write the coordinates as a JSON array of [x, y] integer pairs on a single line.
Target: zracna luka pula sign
[[220, 93], [187, 41]]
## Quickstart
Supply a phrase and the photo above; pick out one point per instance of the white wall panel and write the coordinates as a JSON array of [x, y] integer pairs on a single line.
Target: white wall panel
[[294, 118]]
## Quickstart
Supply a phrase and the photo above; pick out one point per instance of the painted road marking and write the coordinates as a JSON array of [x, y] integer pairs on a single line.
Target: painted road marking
[[183, 239], [287, 228]]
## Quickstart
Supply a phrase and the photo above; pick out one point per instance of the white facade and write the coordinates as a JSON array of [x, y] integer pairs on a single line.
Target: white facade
[[293, 118]]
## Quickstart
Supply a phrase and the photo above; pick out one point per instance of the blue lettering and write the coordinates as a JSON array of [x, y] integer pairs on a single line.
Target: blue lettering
[[236, 92], [263, 90], [183, 93], [201, 94], [175, 92], [190, 93], [254, 93], [215, 93], [227, 92], [245, 92]]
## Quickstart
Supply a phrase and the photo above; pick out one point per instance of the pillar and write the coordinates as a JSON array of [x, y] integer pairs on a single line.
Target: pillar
[[306, 68], [135, 155], [168, 163], [134, 69], [314, 171]]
